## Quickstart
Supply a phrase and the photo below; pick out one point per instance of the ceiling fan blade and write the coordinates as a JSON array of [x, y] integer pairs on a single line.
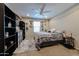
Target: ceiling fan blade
[[47, 11], [42, 8]]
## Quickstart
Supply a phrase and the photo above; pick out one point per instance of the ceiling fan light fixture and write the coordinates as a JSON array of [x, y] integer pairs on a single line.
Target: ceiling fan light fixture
[[28, 15]]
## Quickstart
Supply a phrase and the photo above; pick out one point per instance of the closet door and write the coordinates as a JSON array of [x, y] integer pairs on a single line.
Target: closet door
[[22, 27]]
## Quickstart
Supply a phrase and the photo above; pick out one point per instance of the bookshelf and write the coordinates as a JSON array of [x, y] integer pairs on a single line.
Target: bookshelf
[[8, 34]]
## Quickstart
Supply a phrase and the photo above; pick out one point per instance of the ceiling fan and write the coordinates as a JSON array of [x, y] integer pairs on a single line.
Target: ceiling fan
[[42, 10]]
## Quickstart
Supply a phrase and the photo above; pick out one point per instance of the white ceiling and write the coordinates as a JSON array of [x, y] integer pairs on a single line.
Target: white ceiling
[[33, 9]]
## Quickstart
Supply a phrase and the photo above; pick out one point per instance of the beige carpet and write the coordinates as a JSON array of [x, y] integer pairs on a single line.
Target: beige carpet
[[57, 50]]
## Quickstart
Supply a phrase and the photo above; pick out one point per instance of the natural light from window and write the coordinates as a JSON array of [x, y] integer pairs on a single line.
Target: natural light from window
[[36, 26]]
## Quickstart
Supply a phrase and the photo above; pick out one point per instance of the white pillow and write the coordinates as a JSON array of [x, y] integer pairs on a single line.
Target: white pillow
[[53, 30]]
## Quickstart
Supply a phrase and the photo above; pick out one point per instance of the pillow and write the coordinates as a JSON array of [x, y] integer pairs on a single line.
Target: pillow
[[53, 30]]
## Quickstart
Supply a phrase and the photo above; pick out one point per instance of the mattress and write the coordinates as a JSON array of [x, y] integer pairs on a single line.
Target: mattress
[[45, 36]]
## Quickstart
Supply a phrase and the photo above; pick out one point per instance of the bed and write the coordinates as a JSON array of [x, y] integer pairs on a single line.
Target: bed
[[48, 39]]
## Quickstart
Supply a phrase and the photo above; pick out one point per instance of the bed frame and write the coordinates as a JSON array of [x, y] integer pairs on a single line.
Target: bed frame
[[47, 43], [67, 42]]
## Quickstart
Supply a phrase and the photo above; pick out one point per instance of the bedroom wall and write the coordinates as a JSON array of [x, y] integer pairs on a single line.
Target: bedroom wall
[[29, 31], [68, 21], [45, 25]]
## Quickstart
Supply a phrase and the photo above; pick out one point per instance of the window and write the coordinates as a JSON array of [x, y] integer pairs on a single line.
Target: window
[[36, 26]]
